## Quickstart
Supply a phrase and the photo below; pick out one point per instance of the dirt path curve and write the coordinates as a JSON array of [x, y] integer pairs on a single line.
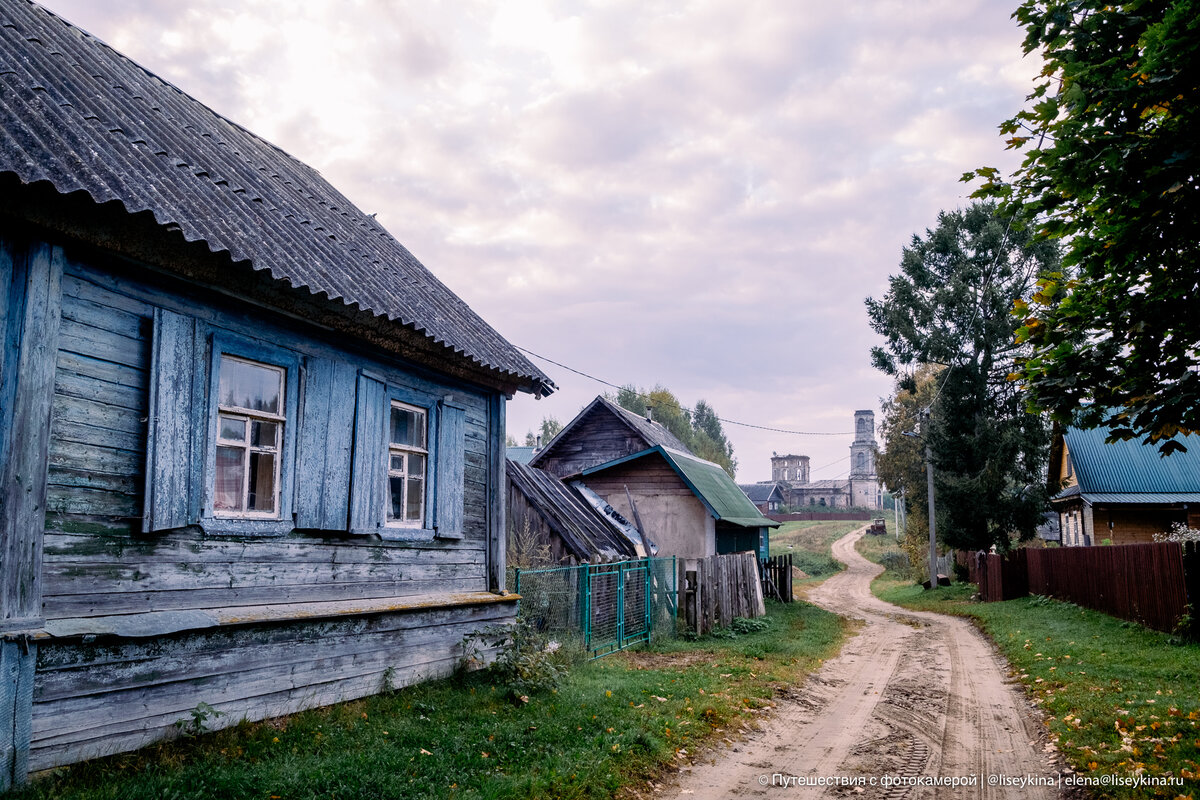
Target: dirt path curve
[[913, 694]]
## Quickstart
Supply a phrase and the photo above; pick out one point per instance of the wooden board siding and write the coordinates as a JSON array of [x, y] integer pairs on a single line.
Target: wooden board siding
[[95, 562], [99, 693], [598, 439], [115, 695], [1133, 524]]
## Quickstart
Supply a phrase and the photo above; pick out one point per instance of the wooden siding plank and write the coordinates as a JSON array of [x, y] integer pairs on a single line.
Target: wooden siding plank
[[35, 323], [91, 605], [101, 577], [183, 548], [97, 343]]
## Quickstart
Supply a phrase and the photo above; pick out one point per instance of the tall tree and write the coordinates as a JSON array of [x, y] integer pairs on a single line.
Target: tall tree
[[1110, 134], [699, 429], [949, 307]]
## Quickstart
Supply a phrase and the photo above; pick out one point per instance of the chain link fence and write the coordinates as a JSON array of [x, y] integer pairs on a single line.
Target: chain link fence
[[609, 606]]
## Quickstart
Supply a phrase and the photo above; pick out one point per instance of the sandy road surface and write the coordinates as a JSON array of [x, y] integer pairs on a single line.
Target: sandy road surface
[[912, 694]]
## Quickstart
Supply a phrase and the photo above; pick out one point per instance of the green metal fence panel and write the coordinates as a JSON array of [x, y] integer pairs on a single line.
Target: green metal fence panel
[[611, 606]]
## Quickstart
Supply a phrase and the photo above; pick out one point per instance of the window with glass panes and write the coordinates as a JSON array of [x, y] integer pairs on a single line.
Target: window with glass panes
[[407, 458], [250, 422]]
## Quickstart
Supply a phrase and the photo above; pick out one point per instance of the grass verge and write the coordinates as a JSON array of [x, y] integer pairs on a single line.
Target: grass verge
[[610, 724], [1120, 699], [810, 542]]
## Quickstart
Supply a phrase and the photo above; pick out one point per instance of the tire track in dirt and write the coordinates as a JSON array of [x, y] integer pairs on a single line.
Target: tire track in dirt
[[912, 694]]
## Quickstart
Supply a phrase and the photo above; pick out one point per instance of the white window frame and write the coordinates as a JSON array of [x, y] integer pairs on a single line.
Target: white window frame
[[405, 450], [250, 415]]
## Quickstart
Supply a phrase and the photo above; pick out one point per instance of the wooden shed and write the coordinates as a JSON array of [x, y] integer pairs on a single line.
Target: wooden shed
[[690, 507], [252, 449]]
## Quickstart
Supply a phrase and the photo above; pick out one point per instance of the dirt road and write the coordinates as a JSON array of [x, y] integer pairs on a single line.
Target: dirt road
[[913, 695]]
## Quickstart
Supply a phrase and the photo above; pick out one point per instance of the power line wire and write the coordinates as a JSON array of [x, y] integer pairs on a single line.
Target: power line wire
[[683, 408]]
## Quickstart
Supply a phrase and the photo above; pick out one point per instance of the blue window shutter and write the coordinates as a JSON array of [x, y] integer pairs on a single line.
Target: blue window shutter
[[368, 475], [324, 445], [450, 472], [176, 430]]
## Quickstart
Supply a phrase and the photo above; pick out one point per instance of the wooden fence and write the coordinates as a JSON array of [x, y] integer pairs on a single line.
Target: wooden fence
[[720, 588], [777, 578], [1152, 584], [824, 516]]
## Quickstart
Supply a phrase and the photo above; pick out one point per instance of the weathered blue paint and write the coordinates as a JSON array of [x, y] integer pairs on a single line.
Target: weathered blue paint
[[31, 283], [326, 442], [449, 458], [174, 440], [367, 480]]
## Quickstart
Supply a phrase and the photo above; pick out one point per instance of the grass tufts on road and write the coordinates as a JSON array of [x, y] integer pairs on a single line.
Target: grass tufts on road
[[611, 724]]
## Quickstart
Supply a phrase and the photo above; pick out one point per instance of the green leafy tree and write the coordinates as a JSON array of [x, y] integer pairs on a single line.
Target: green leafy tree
[[1110, 134], [699, 429], [949, 307]]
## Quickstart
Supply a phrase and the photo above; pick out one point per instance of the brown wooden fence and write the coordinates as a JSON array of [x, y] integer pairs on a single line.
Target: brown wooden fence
[[719, 588], [1147, 583], [777, 578], [824, 516]]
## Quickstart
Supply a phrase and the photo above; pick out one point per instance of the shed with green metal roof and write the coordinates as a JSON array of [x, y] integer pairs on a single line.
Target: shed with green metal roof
[[690, 507]]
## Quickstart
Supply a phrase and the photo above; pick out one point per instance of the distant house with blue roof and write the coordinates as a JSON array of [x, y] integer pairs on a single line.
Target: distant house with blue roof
[[1124, 492]]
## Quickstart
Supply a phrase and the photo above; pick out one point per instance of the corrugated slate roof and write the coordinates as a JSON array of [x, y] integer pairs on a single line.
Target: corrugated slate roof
[[583, 529], [521, 455], [711, 484], [1130, 466], [84, 118]]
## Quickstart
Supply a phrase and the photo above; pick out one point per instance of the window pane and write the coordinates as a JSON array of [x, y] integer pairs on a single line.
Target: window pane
[[408, 427], [227, 487], [264, 434], [250, 386], [262, 482], [397, 463], [396, 495], [416, 495], [416, 465], [233, 429]]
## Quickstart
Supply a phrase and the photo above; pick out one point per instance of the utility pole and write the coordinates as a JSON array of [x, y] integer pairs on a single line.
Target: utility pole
[[933, 577], [923, 418]]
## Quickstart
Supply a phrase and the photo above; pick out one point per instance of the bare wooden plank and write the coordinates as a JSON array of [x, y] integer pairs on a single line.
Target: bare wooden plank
[[113, 394], [105, 317], [98, 415], [84, 605], [101, 577], [186, 548], [91, 502], [85, 340], [27, 415], [81, 433]]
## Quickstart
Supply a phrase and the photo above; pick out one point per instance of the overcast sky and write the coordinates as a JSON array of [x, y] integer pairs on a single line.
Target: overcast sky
[[692, 194]]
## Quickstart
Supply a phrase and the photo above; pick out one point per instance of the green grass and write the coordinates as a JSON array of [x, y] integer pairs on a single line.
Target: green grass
[[610, 724], [810, 543], [1119, 699]]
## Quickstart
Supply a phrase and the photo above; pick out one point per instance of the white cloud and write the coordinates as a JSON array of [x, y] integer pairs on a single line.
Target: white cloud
[[696, 194]]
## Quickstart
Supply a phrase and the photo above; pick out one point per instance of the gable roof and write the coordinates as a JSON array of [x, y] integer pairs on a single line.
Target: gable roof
[[652, 433], [81, 117], [1129, 471], [521, 455], [711, 485], [586, 531], [760, 492]]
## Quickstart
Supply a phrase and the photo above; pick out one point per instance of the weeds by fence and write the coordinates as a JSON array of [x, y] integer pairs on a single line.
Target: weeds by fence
[[609, 606], [1157, 585]]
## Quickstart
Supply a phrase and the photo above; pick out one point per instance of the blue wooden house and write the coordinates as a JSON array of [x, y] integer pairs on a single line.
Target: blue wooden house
[[252, 450]]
